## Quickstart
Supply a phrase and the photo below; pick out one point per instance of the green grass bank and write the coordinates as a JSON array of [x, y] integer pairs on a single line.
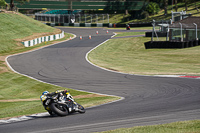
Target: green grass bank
[[16, 28]]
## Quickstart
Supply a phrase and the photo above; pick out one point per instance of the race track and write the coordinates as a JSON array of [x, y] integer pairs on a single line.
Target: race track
[[148, 100]]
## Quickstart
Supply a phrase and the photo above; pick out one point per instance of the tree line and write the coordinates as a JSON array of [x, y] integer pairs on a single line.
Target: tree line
[[165, 3], [151, 6]]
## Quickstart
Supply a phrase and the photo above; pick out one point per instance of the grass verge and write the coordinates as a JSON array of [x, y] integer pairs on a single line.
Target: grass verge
[[93, 101], [176, 127], [120, 34]]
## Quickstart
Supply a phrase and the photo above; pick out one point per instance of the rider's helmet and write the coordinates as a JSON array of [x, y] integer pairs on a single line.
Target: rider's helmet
[[45, 93]]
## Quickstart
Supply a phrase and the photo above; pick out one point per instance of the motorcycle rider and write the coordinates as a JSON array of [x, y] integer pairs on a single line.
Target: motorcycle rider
[[61, 95]]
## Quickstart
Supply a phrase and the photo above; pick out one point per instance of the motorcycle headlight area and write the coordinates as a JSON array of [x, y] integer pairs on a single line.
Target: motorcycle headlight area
[[47, 102]]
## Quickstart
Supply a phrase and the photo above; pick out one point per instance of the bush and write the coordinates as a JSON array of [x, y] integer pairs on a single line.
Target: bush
[[144, 15], [153, 8]]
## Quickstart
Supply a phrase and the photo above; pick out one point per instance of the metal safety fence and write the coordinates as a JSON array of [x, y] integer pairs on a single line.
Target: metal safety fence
[[72, 18]]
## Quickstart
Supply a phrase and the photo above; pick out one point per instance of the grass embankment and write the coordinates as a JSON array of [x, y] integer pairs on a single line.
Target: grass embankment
[[130, 56], [19, 95], [16, 28], [121, 18]]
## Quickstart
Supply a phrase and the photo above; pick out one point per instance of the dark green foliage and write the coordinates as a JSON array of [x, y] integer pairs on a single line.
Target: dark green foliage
[[2, 3], [152, 8]]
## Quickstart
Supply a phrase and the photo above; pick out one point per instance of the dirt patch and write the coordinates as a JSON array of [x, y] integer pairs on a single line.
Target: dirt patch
[[3, 70], [18, 100], [5, 11], [37, 35], [89, 95], [35, 99], [3, 65], [2, 58]]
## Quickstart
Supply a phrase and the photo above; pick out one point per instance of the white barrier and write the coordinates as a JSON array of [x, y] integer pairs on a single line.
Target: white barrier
[[43, 39]]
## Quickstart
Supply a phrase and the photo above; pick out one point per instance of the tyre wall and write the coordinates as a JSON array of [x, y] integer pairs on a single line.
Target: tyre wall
[[168, 44]]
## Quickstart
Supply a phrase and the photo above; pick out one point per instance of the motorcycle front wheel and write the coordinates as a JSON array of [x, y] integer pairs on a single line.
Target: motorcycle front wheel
[[59, 109], [81, 109]]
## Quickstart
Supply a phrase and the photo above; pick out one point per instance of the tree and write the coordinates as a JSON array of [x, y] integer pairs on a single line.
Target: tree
[[20, 1], [187, 2], [125, 4], [126, 11], [165, 6], [176, 7], [144, 14], [186, 5], [152, 8], [196, 5], [2, 3]]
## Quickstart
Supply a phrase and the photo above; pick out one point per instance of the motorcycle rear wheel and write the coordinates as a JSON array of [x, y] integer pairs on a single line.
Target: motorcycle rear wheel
[[57, 109]]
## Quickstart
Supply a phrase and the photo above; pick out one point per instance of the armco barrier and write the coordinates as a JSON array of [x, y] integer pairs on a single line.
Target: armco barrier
[[43, 39], [80, 24], [168, 44], [132, 25], [99, 24]]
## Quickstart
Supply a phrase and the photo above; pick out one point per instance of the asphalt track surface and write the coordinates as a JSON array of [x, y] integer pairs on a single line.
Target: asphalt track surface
[[148, 100]]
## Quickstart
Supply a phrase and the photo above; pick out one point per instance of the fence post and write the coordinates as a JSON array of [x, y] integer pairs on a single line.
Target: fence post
[[63, 19], [153, 30], [108, 17], [167, 32], [196, 31], [59, 18], [103, 18], [96, 18], [181, 32], [79, 18]]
